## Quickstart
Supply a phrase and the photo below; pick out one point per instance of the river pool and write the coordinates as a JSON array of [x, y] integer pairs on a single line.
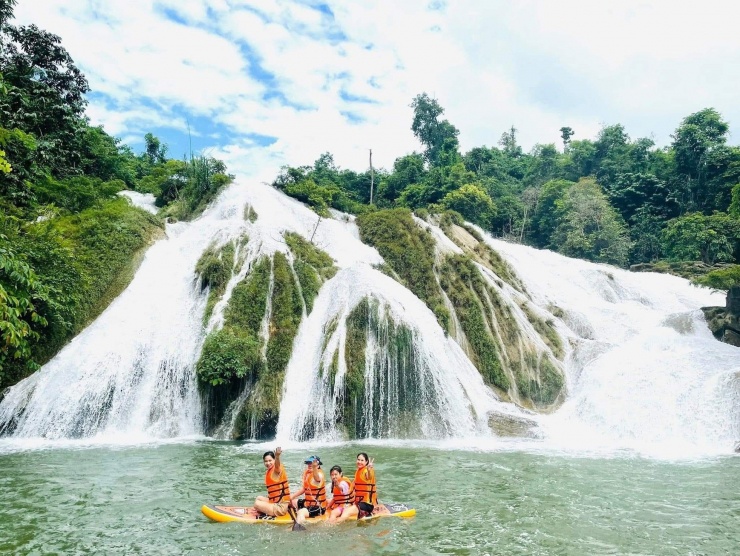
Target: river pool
[[145, 499]]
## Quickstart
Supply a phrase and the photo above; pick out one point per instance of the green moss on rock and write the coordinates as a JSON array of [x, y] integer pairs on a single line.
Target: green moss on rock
[[250, 215], [457, 277], [214, 269], [409, 250], [311, 265], [354, 356]]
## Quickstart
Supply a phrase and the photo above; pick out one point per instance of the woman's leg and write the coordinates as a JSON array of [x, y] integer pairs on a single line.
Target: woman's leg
[[335, 513], [349, 512]]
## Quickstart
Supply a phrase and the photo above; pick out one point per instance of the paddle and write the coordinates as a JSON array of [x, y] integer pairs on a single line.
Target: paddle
[[296, 526]]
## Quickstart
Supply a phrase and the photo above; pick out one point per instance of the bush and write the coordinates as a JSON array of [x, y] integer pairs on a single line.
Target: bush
[[226, 356]]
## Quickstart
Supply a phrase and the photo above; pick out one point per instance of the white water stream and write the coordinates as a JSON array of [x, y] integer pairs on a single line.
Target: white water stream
[[642, 369]]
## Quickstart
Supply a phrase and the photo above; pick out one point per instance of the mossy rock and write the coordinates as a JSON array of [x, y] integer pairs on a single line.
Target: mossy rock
[[409, 250], [311, 265], [457, 278], [214, 268]]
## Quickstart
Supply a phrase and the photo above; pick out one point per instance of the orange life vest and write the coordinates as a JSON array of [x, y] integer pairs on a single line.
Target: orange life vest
[[278, 491], [315, 495], [341, 499], [365, 490]]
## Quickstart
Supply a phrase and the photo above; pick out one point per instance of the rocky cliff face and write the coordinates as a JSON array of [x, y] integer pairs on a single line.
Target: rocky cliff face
[[724, 322]]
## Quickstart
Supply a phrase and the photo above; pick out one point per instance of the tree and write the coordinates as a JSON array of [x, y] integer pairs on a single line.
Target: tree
[[155, 151], [45, 95], [643, 193], [436, 135], [508, 143], [473, 203], [694, 141], [20, 291], [407, 170], [696, 236], [6, 10], [589, 228], [545, 215], [566, 133]]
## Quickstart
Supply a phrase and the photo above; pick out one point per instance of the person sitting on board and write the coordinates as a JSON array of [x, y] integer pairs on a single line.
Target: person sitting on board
[[343, 494], [366, 494], [278, 490], [313, 503]]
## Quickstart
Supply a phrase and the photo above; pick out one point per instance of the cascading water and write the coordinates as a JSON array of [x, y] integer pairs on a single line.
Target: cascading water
[[130, 373], [447, 392], [643, 370], [641, 366]]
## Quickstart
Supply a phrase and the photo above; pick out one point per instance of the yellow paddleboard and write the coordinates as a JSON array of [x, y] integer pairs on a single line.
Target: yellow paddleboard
[[225, 514]]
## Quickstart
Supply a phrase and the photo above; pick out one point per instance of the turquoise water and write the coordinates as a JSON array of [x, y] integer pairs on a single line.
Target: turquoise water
[[146, 500]]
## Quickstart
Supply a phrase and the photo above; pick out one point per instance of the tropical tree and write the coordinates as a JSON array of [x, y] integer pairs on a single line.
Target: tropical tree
[[473, 203], [436, 135], [589, 227]]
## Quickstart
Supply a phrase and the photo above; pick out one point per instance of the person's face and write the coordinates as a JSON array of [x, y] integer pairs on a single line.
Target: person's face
[[361, 461], [335, 476], [269, 461]]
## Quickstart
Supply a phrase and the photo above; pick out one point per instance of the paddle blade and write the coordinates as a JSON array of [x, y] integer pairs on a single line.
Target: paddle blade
[[297, 527]]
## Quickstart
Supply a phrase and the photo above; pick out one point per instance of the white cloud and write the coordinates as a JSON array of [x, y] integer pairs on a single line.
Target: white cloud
[[538, 65]]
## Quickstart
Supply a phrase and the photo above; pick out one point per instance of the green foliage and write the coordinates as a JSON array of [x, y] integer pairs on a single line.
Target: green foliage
[[472, 203], [20, 293], [589, 228], [250, 215], [439, 137], [457, 279], [695, 142], [409, 251], [214, 269], [545, 390], [312, 267], [695, 236], [358, 322], [77, 193], [287, 311], [246, 308], [722, 279], [226, 356], [81, 263]]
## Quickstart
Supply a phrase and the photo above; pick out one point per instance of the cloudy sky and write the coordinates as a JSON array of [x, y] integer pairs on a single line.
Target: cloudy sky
[[263, 83]]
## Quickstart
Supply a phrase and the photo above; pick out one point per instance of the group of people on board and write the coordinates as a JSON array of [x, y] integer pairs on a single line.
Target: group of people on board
[[358, 498]]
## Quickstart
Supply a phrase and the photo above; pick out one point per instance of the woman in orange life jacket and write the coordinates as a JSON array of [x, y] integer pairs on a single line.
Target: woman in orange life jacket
[[313, 504], [366, 493], [343, 494], [278, 491]]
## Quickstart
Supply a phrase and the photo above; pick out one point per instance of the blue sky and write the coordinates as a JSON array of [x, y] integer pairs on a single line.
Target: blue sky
[[261, 83]]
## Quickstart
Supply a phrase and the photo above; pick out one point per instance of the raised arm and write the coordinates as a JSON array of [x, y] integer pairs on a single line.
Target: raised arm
[[278, 467]]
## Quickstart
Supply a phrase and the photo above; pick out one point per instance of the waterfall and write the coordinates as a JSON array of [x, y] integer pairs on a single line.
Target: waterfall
[[643, 370], [130, 372], [447, 392], [370, 360]]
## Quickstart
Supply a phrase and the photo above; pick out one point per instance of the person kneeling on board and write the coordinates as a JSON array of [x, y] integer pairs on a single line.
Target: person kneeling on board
[[366, 493], [313, 503], [343, 494], [278, 491]]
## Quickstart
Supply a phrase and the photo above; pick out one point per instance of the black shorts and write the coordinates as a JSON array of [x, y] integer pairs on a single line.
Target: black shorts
[[315, 511]]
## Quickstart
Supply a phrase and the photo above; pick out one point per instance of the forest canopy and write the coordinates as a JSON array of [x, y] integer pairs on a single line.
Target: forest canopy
[[68, 239], [612, 199]]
